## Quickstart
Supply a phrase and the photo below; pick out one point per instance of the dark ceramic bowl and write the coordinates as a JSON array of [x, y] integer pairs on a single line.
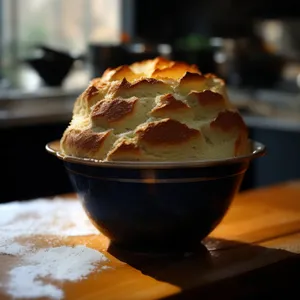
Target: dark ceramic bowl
[[157, 206], [52, 65]]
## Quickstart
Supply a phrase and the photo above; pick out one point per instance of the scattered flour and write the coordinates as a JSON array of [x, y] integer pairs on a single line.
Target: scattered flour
[[58, 217], [41, 216], [59, 263]]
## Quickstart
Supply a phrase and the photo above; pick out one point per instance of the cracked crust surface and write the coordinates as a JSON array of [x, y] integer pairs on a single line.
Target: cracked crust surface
[[155, 110]]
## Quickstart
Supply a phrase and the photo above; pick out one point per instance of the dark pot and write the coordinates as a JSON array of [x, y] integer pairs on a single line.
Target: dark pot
[[157, 206]]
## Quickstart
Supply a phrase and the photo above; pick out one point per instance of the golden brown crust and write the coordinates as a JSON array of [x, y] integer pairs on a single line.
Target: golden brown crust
[[192, 77], [208, 98], [147, 67], [240, 145], [228, 120], [156, 109], [101, 85], [191, 82], [232, 124], [211, 76], [144, 83], [115, 88], [113, 110], [85, 140], [124, 151], [91, 92], [141, 88], [161, 63], [177, 70], [166, 132], [94, 93], [168, 104], [120, 73]]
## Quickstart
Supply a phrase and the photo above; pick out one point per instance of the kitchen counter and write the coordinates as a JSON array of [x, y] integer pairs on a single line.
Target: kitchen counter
[[268, 109], [37, 109], [51, 250], [274, 123]]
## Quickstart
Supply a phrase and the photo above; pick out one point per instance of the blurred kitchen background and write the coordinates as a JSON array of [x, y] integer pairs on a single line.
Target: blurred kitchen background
[[50, 49]]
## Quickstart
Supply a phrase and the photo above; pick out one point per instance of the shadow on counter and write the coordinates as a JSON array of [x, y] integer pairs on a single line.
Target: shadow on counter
[[232, 270]]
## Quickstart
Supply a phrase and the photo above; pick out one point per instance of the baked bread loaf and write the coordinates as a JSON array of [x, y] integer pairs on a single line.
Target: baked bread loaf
[[155, 110]]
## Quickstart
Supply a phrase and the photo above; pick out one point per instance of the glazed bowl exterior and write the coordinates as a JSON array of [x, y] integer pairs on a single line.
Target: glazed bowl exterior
[[156, 206]]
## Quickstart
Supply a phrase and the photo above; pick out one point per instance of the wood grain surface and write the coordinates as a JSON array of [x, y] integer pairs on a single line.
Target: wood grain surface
[[254, 252]]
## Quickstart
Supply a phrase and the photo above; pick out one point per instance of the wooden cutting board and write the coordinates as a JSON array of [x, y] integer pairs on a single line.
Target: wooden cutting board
[[253, 252]]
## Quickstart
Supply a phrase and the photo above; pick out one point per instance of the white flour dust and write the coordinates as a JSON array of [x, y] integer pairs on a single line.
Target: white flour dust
[[41, 216], [58, 217], [59, 263]]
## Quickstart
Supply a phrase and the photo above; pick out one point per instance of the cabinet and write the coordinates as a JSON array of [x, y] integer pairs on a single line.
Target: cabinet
[[282, 161]]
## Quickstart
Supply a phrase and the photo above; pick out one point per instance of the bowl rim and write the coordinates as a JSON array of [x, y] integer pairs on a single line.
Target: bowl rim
[[258, 150]]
